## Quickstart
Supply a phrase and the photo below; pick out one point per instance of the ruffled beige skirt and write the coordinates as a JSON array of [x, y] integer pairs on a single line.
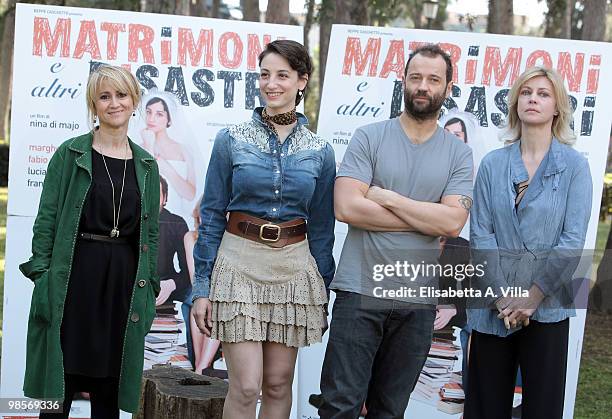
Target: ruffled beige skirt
[[260, 293]]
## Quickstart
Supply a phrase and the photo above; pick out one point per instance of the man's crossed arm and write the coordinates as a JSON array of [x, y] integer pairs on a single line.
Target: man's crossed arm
[[377, 209]]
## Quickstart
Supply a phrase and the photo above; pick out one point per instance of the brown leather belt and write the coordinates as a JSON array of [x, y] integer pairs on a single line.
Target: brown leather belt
[[263, 231]]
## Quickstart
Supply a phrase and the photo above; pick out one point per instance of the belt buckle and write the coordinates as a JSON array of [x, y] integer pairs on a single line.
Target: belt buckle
[[273, 226]]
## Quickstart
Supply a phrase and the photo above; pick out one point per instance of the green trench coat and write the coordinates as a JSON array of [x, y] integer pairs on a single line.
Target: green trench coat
[[55, 231]]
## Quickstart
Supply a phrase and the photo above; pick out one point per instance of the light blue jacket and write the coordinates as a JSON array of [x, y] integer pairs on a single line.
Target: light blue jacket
[[540, 242]]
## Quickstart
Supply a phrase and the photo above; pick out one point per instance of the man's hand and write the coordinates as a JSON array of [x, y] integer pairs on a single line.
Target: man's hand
[[379, 195], [202, 314], [444, 313], [351, 206], [444, 218]]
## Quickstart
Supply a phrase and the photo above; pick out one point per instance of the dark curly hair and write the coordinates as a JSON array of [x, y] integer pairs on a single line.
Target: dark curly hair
[[297, 56]]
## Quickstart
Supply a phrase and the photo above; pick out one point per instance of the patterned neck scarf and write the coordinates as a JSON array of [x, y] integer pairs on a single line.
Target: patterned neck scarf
[[286, 118]]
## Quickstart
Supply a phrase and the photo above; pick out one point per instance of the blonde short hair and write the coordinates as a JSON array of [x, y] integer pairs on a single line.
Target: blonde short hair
[[561, 125], [119, 78]]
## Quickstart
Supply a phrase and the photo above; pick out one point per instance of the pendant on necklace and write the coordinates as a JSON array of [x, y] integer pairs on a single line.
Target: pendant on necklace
[[114, 232]]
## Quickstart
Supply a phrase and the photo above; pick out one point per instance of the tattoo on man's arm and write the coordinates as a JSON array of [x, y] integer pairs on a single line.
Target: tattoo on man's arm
[[466, 202]]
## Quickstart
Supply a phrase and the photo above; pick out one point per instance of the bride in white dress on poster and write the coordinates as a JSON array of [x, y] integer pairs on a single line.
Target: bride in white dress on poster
[[163, 137], [163, 130]]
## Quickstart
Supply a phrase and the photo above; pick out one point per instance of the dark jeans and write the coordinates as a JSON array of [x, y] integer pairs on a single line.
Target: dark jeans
[[464, 338], [375, 353], [541, 351], [186, 312], [103, 395]]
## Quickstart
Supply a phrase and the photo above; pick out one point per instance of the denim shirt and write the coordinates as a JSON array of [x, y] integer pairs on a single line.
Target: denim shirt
[[251, 171], [540, 242]]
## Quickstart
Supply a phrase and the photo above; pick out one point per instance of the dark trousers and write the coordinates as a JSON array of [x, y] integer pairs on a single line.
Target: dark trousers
[[540, 349], [103, 395], [375, 353]]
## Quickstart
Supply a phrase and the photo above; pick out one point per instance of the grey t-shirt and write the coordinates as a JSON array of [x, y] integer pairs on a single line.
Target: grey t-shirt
[[381, 154]]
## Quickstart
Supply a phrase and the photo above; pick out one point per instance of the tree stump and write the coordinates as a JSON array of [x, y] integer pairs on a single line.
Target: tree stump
[[172, 392]]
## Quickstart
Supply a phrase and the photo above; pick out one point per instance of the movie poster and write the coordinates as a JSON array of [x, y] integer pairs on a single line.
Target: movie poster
[[363, 84], [197, 75]]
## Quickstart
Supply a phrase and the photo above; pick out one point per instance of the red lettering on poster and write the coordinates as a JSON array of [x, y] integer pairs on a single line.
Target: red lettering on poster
[[572, 75], [42, 34], [493, 66], [140, 38], [454, 51], [254, 48], [592, 81], [470, 71], [224, 58], [112, 38], [395, 61], [166, 52], [87, 41], [593, 75], [538, 55], [354, 56], [188, 46]]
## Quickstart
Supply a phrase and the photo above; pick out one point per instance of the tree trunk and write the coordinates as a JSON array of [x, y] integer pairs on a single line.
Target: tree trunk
[[6, 68], [577, 14], [173, 392], [160, 6], [594, 20], [570, 5], [360, 13], [277, 11], [416, 12], [182, 7], [310, 5], [558, 20], [352, 12], [214, 12], [326, 18], [198, 8], [250, 10], [154, 6], [441, 16], [343, 12], [501, 17]]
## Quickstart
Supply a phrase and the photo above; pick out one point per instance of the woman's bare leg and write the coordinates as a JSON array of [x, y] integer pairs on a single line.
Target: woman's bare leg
[[245, 368], [278, 369]]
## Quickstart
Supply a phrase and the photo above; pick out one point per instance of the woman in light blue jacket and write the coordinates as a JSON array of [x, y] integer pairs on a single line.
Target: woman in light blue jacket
[[532, 203]]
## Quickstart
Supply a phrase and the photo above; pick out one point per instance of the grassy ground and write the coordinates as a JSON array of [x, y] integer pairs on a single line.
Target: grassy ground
[[595, 378], [603, 228], [593, 399]]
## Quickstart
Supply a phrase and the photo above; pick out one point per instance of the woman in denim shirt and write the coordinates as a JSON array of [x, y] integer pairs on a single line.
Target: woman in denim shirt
[[260, 285], [532, 203]]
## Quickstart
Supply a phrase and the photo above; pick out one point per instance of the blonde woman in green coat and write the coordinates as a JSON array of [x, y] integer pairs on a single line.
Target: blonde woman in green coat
[[93, 263]]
